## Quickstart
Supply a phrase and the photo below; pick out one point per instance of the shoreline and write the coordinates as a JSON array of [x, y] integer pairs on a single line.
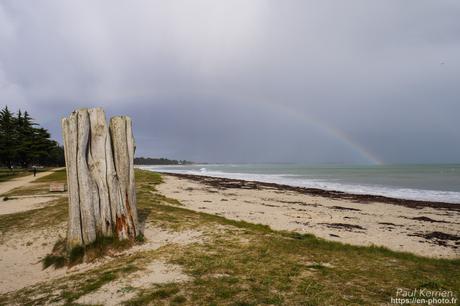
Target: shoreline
[[222, 182], [279, 238], [423, 228]]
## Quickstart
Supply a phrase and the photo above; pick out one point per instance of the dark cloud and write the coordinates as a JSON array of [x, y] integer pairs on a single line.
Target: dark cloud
[[241, 81]]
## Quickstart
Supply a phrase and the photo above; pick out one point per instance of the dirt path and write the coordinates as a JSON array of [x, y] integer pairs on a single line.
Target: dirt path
[[20, 181], [23, 203]]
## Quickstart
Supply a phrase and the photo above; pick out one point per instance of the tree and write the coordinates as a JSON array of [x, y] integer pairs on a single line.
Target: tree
[[40, 145], [25, 133], [100, 177], [55, 155], [8, 137], [22, 142]]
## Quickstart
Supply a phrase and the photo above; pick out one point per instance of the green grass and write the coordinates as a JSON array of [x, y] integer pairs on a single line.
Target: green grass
[[7, 174], [156, 295], [58, 176], [93, 282], [60, 256], [29, 190], [51, 215], [40, 186], [240, 263]]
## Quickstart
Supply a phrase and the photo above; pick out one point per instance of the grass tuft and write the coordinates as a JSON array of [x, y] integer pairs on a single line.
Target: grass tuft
[[76, 255], [178, 300], [61, 257], [165, 292], [54, 260], [433, 284], [140, 238]]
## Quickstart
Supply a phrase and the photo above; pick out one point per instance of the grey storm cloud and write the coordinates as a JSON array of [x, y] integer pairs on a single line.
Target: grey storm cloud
[[246, 81]]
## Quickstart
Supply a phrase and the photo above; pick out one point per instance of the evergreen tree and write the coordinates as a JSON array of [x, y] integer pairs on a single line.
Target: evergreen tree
[[25, 133], [23, 142], [8, 137]]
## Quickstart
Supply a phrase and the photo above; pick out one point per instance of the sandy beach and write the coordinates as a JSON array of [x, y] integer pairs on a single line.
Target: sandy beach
[[423, 228], [22, 252], [184, 252]]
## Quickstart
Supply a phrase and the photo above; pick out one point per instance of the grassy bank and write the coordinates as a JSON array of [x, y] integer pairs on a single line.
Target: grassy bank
[[40, 186], [8, 174], [239, 263]]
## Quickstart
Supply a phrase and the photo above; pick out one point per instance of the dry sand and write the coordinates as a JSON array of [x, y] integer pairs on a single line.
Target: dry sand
[[424, 231], [21, 252], [121, 290], [21, 255], [23, 203], [20, 261]]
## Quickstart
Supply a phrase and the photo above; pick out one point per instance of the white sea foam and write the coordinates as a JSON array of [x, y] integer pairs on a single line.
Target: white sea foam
[[331, 184]]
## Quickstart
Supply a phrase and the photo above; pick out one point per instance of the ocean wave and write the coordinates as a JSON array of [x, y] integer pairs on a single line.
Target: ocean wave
[[300, 181]]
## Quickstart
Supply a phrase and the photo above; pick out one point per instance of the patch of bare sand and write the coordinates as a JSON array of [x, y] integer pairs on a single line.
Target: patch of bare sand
[[23, 203], [20, 264], [124, 289], [21, 255], [396, 227], [157, 237]]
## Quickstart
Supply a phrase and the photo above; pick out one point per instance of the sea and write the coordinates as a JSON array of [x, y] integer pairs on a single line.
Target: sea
[[439, 183]]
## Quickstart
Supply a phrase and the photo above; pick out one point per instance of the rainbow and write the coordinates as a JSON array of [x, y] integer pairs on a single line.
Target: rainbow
[[344, 138], [349, 142]]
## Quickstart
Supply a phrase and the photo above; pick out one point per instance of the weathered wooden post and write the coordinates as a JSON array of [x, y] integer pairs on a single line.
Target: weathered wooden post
[[100, 177]]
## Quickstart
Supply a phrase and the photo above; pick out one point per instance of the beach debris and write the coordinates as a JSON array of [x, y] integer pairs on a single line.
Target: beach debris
[[345, 208], [344, 226], [428, 219], [100, 177], [440, 238], [389, 224], [361, 199]]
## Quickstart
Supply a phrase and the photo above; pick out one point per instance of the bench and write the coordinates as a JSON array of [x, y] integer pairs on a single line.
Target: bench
[[57, 187]]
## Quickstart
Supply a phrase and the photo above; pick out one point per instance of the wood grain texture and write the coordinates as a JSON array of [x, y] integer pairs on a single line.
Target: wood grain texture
[[100, 177], [123, 151]]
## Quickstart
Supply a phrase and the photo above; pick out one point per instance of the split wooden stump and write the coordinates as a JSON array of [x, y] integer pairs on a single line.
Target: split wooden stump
[[100, 177]]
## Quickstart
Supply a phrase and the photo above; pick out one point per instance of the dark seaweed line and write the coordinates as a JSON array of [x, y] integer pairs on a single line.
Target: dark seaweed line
[[220, 182]]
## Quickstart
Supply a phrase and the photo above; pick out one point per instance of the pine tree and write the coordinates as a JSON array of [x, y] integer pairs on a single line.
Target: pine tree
[[25, 133], [23, 142], [8, 137]]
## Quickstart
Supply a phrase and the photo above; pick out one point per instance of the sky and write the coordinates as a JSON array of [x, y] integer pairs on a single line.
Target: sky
[[357, 81]]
